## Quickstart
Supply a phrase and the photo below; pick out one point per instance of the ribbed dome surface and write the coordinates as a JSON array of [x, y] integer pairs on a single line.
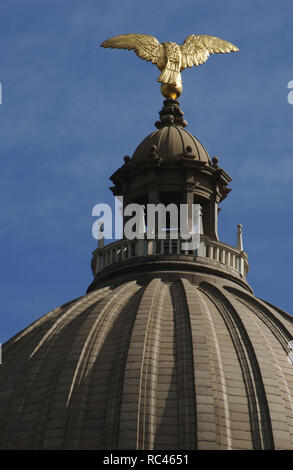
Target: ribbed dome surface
[[165, 365], [173, 143]]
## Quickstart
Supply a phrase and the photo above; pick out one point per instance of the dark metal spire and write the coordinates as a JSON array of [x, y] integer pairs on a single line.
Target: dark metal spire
[[171, 115]]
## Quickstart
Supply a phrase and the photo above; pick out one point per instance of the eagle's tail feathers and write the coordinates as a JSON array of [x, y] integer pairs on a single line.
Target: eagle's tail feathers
[[170, 76]]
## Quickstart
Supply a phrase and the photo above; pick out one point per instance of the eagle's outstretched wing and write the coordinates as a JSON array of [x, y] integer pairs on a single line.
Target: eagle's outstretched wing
[[196, 49], [145, 46]]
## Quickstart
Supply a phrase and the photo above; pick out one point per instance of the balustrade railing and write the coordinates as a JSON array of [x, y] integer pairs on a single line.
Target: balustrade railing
[[213, 250]]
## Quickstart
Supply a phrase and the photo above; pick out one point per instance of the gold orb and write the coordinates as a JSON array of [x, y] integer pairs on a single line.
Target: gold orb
[[171, 91]]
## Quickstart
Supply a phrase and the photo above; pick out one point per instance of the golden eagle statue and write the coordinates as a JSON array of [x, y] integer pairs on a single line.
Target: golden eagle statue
[[170, 58]]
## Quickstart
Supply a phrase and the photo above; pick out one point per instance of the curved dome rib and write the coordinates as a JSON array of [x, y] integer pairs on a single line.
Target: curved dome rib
[[270, 320], [96, 329], [213, 411], [270, 345], [185, 354], [138, 404], [261, 429]]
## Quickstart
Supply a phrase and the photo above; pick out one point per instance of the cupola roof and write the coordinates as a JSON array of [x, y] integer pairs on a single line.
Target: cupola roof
[[171, 141]]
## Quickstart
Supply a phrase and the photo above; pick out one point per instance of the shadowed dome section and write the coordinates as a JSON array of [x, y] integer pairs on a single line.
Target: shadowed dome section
[[171, 143], [158, 365]]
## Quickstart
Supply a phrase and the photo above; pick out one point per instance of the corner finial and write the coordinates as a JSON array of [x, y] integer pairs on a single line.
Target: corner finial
[[101, 236], [215, 161], [239, 237]]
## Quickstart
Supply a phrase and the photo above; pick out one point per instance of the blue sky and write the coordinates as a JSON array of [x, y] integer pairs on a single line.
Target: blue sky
[[71, 110]]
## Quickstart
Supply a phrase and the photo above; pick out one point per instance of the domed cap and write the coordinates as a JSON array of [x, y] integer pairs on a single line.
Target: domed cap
[[171, 142]]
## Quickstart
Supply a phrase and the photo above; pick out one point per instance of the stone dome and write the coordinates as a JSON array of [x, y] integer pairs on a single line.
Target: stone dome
[[171, 143], [186, 363], [169, 348]]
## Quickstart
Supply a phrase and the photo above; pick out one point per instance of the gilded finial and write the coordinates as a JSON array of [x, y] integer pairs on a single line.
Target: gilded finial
[[171, 58]]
